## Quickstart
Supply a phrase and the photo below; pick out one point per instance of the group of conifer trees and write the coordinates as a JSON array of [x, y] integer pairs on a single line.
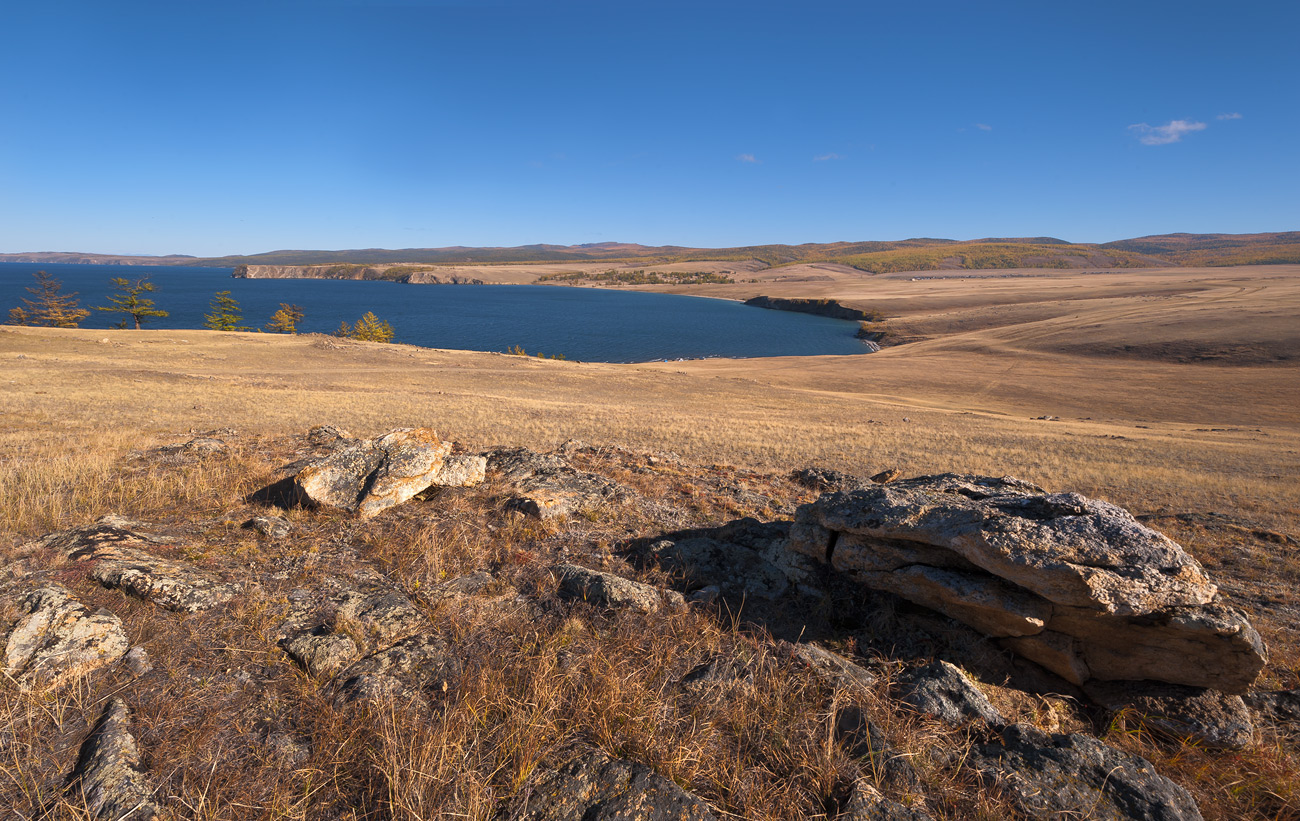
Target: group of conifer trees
[[52, 308]]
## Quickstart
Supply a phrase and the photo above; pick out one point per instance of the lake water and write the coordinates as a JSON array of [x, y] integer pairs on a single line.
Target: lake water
[[581, 323]]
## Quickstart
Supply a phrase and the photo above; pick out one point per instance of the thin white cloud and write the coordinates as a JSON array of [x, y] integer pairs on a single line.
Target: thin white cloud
[[825, 157], [1171, 132], [1233, 116], [983, 127], [746, 158]]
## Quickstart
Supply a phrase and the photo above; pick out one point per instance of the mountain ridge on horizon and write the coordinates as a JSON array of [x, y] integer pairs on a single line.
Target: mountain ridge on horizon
[[880, 256]]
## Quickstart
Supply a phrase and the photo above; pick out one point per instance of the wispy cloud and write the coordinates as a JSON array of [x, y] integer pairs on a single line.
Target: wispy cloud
[[983, 127], [1171, 132], [747, 158], [825, 157], [1233, 116]]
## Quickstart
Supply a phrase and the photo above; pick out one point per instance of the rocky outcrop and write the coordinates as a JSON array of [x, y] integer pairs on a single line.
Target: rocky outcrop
[[942, 690], [832, 668], [108, 777], [594, 787], [1061, 776], [742, 559], [609, 590], [1204, 717], [414, 274], [825, 480], [372, 475], [820, 307], [115, 556], [361, 623], [419, 667], [461, 470], [1074, 584], [546, 485], [58, 639]]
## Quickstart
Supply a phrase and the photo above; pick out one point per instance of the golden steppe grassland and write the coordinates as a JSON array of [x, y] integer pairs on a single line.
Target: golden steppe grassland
[[1172, 392], [1169, 389]]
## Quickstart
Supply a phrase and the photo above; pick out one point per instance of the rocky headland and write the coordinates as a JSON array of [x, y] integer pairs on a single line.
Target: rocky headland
[[413, 274], [403, 626]]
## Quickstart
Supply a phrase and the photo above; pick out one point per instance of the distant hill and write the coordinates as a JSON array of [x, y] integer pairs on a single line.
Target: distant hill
[[74, 258], [917, 254], [1217, 249]]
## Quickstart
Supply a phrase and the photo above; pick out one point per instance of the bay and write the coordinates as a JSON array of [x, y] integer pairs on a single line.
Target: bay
[[588, 324]]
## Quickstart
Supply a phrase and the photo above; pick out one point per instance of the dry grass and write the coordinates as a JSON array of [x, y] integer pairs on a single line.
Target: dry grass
[[219, 718]]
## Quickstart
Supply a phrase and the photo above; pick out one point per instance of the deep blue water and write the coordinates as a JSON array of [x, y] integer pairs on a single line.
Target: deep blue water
[[582, 323]]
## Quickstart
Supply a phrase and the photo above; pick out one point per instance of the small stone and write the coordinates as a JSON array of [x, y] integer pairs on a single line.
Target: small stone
[[322, 655], [719, 672], [609, 590], [884, 477], [825, 479], [373, 475], [137, 661], [867, 804], [114, 550], [327, 435], [273, 527], [419, 665], [832, 668]]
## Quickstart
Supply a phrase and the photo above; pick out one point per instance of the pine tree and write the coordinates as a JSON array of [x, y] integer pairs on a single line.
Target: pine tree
[[344, 331], [129, 303], [49, 308], [225, 314], [285, 320], [371, 328]]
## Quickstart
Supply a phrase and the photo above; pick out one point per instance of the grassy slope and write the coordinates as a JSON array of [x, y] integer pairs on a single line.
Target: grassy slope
[[1147, 416]]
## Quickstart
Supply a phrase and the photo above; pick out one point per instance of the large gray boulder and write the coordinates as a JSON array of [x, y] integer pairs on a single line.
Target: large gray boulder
[[1074, 584], [58, 639], [372, 475]]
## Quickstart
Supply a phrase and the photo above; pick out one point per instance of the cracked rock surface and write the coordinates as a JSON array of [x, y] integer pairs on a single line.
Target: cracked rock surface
[[108, 772], [372, 475], [1074, 775], [58, 639], [1075, 584], [116, 554], [594, 787]]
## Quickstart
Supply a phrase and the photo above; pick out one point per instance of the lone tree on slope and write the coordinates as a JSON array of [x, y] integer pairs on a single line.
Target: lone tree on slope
[[49, 308], [130, 304], [225, 314], [285, 320], [371, 328]]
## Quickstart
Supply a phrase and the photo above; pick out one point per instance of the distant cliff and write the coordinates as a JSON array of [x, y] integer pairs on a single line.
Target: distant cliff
[[821, 307], [413, 274]]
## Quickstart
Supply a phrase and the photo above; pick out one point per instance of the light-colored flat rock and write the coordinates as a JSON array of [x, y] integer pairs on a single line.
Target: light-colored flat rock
[[58, 639]]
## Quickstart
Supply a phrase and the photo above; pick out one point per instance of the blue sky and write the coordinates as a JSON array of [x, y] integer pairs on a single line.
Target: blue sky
[[213, 128]]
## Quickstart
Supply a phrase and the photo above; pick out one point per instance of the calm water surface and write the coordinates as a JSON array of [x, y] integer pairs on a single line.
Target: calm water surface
[[580, 323]]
